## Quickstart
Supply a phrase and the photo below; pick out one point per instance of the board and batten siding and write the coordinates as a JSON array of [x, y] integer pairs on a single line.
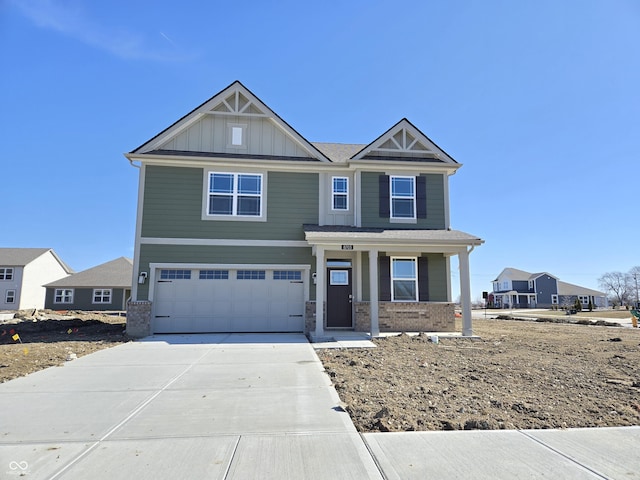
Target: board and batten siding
[[191, 254], [435, 203], [211, 134], [173, 206]]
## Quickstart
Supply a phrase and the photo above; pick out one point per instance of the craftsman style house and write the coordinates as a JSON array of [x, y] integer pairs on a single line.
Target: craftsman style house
[[519, 289], [243, 225]]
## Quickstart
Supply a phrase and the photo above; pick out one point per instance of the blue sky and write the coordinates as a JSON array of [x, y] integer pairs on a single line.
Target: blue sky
[[539, 100]]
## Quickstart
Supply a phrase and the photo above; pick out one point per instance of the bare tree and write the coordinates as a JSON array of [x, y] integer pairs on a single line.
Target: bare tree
[[617, 284], [634, 279]]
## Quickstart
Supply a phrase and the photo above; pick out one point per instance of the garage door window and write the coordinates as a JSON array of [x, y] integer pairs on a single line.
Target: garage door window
[[251, 275], [287, 275], [175, 274], [214, 274]]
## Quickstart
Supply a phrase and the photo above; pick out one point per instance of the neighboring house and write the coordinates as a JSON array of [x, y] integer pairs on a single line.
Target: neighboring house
[[23, 272], [243, 225], [519, 289], [105, 287]]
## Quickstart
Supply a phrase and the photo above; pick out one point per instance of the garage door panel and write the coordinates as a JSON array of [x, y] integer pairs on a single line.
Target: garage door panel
[[229, 301]]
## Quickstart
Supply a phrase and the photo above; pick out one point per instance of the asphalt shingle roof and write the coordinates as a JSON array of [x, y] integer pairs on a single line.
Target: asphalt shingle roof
[[116, 273]]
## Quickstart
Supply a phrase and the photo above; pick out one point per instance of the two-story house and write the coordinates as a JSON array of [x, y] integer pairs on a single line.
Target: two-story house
[[243, 225], [515, 288]]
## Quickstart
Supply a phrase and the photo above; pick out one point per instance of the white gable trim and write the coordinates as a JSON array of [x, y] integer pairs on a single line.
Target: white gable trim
[[405, 138], [220, 104]]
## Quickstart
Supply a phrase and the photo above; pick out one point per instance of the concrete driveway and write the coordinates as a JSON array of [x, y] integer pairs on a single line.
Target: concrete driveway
[[182, 406], [254, 407]]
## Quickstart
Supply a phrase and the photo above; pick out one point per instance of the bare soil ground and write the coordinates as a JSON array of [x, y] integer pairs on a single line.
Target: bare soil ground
[[46, 339], [519, 375]]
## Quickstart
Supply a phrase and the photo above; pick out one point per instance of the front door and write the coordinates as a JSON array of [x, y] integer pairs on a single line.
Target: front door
[[339, 297]]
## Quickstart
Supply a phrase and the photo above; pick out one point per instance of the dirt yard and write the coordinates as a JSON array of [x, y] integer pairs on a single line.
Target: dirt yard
[[46, 339], [520, 375]]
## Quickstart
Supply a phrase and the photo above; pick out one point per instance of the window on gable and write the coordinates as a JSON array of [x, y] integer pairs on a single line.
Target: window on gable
[[340, 193], [101, 295], [63, 295], [6, 273], [10, 296], [403, 197], [404, 279], [237, 136], [235, 194]]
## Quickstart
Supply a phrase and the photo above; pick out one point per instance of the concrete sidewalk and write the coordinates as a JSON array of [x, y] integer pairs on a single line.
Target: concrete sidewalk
[[253, 406]]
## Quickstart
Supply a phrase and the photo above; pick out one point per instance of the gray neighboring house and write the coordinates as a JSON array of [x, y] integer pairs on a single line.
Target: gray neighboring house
[[519, 289], [104, 287], [23, 272]]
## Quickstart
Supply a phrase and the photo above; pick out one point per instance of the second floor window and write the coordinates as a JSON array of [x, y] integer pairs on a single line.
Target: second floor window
[[403, 197], [235, 194], [340, 193], [6, 273]]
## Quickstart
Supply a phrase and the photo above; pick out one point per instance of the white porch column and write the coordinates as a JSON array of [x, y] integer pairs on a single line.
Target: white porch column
[[465, 292], [320, 282], [373, 292]]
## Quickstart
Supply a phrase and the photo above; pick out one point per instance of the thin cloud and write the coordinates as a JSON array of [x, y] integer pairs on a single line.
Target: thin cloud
[[72, 20]]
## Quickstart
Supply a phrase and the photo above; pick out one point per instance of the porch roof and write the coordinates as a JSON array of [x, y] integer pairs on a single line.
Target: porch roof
[[334, 235]]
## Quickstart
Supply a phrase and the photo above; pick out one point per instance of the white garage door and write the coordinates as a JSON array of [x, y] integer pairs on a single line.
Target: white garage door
[[228, 300]]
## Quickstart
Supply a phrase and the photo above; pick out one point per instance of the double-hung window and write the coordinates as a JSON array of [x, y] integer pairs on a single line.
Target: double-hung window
[[340, 193], [235, 194], [10, 296], [63, 295], [404, 279], [101, 295], [403, 197], [6, 273]]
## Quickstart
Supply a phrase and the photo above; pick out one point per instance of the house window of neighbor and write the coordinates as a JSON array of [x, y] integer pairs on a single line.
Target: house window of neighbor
[[340, 193], [235, 194], [404, 279], [63, 295], [554, 299], [403, 197], [6, 273], [584, 299], [10, 296], [102, 295]]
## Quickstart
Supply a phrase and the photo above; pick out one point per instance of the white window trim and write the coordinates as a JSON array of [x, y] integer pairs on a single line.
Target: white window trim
[[234, 217], [554, 299], [5, 271], [66, 297], [334, 194], [415, 260], [391, 198], [10, 294], [231, 128], [104, 293]]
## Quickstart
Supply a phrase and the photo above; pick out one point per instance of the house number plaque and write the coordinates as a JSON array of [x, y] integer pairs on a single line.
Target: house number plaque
[[347, 247]]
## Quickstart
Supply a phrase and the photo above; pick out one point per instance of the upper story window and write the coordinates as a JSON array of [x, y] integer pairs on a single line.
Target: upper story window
[[340, 193], [404, 279], [237, 135], [6, 273], [235, 194], [403, 197]]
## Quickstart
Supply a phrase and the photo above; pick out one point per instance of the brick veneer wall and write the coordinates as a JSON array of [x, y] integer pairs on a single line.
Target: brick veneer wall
[[139, 318], [407, 317]]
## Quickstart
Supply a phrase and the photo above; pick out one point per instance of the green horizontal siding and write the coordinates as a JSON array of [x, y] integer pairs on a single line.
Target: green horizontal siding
[[435, 203], [222, 255], [173, 206]]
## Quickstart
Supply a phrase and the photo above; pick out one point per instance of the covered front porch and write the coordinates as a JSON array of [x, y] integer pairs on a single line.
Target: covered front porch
[[375, 280]]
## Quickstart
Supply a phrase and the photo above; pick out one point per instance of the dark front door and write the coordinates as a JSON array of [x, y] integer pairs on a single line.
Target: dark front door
[[339, 296]]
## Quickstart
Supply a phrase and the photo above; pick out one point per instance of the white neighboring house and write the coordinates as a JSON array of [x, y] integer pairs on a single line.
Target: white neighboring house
[[23, 272]]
